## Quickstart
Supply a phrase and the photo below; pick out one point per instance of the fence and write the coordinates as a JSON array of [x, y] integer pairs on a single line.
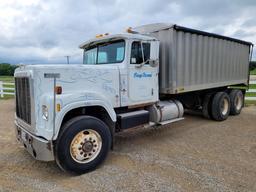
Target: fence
[[252, 82], [9, 89], [6, 89]]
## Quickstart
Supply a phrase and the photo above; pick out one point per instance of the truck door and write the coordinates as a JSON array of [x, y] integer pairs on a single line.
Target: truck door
[[142, 77]]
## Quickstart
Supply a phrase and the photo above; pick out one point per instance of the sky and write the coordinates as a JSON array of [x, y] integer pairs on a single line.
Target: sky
[[45, 31]]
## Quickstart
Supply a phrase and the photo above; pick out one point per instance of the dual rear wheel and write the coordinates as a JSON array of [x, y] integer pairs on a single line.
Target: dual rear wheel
[[218, 106]]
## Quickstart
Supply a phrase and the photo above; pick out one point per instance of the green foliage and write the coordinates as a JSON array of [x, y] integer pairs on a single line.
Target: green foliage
[[252, 65], [253, 72], [7, 69]]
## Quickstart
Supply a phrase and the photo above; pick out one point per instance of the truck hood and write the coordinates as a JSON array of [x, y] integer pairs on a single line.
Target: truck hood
[[80, 83]]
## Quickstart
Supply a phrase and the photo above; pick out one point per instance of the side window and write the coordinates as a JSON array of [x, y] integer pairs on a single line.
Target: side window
[[136, 52], [102, 57], [146, 51], [90, 56], [120, 54]]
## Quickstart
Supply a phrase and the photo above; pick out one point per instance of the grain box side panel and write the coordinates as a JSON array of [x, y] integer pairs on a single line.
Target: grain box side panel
[[204, 62], [194, 61]]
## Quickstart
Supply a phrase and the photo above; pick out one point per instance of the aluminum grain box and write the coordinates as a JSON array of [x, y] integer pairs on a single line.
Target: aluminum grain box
[[193, 60]]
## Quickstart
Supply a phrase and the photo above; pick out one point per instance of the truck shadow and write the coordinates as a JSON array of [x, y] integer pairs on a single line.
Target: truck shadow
[[193, 120]]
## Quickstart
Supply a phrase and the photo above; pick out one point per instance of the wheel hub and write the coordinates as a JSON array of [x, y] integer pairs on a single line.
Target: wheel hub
[[85, 146], [224, 107], [238, 102]]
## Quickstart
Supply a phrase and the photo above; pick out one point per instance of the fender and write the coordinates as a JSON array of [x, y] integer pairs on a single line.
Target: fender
[[93, 101]]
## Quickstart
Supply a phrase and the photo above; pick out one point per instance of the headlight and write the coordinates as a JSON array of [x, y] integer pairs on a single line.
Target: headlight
[[45, 112]]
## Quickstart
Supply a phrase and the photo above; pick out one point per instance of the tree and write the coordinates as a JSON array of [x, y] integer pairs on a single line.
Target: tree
[[7, 69]]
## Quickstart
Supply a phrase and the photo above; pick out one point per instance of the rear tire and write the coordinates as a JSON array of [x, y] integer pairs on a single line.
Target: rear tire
[[220, 106], [82, 145], [206, 108], [236, 101]]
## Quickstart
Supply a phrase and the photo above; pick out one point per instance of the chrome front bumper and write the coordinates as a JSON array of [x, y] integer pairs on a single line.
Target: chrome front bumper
[[39, 148]]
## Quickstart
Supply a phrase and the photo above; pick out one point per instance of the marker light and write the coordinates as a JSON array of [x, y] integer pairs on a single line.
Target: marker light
[[99, 36], [129, 30], [58, 107], [58, 90]]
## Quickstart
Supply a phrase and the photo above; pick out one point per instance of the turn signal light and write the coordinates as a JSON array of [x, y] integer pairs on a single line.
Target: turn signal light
[[58, 90]]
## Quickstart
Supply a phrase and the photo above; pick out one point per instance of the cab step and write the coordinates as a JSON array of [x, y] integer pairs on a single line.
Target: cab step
[[132, 119]]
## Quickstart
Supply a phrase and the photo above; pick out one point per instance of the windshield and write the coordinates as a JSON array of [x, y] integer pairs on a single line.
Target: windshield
[[105, 53]]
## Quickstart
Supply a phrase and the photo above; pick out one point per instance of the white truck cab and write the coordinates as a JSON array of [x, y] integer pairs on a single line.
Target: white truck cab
[[70, 113], [129, 54]]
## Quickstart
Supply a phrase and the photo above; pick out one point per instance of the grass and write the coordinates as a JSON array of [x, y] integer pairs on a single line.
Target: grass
[[247, 103], [7, 78], [253, 86], [253, 72], [250, 94]]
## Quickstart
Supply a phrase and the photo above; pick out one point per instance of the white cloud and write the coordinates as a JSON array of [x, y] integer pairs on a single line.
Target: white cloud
[[44, 31]]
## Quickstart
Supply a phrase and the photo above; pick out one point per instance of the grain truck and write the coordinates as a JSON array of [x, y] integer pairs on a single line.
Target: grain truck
[[145, 77]]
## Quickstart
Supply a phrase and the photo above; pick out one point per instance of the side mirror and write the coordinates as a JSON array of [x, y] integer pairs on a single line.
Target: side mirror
[[153, 63], [154, 50]]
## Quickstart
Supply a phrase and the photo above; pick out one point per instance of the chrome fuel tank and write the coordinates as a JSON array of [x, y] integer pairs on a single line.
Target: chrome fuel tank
[[166, 110]]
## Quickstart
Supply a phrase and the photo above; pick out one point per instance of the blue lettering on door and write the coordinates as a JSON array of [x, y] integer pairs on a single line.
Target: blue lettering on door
[[142, 75]]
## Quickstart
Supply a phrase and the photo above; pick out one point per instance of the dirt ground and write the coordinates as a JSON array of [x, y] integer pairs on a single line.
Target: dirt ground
[[191, 155]]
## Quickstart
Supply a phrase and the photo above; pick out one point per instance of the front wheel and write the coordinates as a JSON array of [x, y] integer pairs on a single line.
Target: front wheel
[[83, 144]]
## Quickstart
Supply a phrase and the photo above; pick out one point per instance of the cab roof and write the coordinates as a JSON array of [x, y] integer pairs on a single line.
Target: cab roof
[[107, 38]]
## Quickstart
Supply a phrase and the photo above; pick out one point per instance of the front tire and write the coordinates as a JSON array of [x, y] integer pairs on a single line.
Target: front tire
[[83, 144]]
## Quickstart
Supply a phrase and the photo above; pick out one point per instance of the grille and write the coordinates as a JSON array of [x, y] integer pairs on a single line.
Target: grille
[[23, 103]]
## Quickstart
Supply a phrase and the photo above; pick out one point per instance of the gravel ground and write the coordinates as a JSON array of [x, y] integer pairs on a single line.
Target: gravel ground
[[190, 155]]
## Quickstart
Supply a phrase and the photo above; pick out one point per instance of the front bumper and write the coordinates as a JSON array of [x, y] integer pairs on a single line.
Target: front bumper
[[39, 148]]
